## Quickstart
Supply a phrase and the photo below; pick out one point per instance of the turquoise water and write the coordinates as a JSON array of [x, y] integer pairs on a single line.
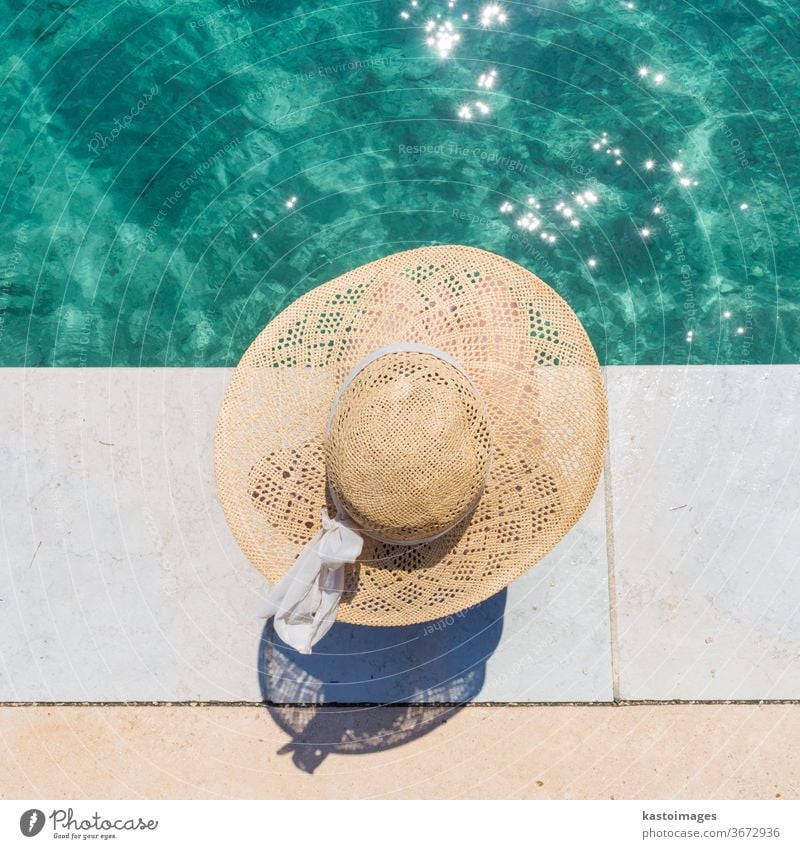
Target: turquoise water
[[174, 174]]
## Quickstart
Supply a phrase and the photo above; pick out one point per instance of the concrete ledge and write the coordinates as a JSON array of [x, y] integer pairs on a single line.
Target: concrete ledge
[[121, 581], [705, 474], [124, 582]]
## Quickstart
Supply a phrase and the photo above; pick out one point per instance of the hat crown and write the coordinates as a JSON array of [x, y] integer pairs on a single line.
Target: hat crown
[[408, 446]]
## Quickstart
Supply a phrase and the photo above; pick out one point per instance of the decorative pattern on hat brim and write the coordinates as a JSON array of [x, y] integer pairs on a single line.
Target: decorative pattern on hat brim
[[521, 345]]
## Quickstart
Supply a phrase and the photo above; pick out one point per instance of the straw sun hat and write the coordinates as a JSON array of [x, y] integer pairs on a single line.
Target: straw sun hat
[[404, 441]]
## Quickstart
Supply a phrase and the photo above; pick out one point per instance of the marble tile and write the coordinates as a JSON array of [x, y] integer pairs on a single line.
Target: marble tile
[[706, 489], [120, 578], [122, 582]]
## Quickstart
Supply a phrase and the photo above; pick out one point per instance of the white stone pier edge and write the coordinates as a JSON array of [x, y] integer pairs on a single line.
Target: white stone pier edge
[[121, 582]]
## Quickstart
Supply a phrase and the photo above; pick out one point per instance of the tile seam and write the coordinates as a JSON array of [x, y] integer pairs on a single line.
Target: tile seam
[[612, 580], [327, 705]]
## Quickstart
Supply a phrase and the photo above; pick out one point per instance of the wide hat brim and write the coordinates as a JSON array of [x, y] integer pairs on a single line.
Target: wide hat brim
[[521, 345]]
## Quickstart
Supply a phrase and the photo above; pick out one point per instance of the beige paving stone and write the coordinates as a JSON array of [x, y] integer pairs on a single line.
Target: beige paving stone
[[538, 752]]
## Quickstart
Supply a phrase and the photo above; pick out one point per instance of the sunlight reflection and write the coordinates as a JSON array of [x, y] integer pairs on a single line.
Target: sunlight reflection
[[586, 198], [529, 222], [492, 13], [488, 79], [442, 37]]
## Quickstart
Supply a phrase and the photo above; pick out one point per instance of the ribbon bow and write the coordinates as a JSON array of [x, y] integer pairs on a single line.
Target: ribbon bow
[[305, 600]]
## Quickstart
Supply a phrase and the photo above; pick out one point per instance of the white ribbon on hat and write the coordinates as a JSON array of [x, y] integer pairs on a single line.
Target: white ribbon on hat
[[305, 601]]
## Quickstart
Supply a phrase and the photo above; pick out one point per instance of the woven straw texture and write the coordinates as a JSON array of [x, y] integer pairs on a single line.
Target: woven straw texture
[[535, 370], [409, 447]]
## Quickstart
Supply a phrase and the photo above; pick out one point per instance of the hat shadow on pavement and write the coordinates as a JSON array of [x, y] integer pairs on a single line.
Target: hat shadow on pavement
[[366, 689]]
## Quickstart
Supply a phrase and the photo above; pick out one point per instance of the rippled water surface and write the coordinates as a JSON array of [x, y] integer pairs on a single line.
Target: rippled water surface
[[175, 174]]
